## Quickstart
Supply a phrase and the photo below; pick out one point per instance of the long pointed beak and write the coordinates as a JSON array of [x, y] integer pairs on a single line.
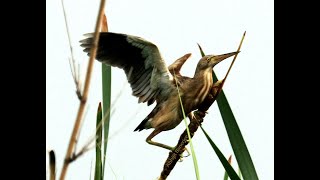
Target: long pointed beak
[[219, 58]]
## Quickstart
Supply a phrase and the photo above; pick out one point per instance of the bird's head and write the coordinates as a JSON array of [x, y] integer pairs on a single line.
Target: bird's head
[[209, 61]]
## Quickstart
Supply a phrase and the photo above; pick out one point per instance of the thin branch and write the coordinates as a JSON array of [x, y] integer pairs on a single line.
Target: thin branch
[[67, 27], [83, 101], [235, 57], [80, 127], [74, 70], [76, 77]]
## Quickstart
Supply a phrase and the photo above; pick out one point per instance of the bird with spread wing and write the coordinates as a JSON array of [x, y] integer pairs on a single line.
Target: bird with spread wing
[[152, 81]]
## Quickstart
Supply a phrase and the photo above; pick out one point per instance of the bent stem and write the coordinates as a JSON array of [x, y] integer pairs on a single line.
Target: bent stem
[[83, 101]]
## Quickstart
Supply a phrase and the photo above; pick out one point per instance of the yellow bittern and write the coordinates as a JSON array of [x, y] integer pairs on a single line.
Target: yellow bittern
[[151, 80]]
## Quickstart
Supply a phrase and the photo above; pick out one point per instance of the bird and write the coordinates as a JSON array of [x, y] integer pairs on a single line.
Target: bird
[[152, 81]]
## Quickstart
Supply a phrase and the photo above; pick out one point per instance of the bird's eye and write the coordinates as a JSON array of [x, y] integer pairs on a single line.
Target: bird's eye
[[208, 59]]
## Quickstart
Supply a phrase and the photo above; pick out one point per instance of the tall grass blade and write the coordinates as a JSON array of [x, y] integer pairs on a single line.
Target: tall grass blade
[[225, 177], [231, 173], [194, 158], [237, 142], [239, 173], [98, 167], [106, 98]]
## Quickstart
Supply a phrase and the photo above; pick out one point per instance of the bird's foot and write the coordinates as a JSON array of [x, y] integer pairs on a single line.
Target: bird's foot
[[192, 116], [182, 156]]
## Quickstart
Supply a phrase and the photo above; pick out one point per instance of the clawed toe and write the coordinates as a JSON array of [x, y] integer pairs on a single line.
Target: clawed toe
[[182, 156]]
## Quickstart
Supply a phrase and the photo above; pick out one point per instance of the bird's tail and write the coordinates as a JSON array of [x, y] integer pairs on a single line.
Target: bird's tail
[[146, 123], [142, 126]]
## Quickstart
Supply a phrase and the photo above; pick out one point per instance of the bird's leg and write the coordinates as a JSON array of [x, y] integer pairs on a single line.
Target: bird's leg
[[152, 135], [156, 132]]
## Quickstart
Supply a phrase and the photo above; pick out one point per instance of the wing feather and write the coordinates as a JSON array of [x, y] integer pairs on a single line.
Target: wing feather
[[141, 61]]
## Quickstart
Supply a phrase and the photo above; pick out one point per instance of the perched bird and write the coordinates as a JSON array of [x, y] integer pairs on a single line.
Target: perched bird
[[151, 80]]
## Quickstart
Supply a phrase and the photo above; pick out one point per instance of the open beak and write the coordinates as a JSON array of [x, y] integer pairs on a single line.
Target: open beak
[[219, 58]]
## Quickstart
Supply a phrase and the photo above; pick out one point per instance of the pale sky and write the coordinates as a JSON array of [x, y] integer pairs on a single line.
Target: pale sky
[[175, 26]]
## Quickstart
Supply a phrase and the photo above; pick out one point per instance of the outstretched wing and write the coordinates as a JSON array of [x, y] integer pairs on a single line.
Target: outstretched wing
[[140, 59]]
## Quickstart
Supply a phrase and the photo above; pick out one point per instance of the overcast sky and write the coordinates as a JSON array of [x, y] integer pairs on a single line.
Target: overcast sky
[[175, 26]]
